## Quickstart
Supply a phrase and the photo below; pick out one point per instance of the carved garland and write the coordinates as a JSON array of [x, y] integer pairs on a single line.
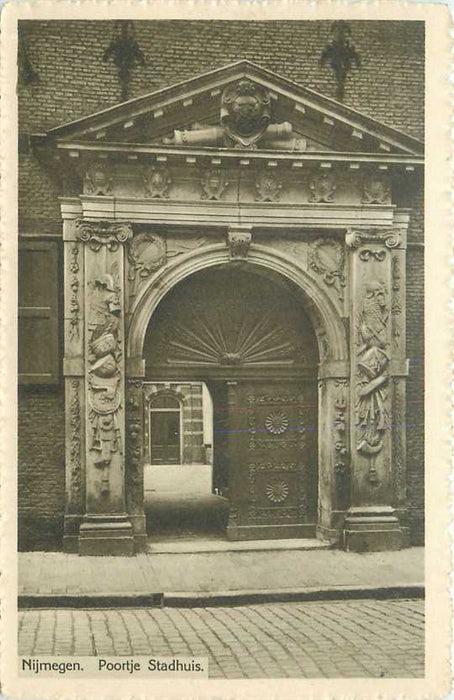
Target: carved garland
[[327, 258], [74, 307], [75, 445]]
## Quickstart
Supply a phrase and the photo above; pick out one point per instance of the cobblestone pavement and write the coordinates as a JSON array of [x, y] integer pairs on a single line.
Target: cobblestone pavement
[[361, 638]]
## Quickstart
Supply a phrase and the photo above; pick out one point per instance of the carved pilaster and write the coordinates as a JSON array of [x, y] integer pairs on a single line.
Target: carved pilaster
[[135, 459], [334, 455], [106, 528], [377, 355]]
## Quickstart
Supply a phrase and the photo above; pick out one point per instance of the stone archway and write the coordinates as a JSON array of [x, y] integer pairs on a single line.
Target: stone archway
[[332, 349]]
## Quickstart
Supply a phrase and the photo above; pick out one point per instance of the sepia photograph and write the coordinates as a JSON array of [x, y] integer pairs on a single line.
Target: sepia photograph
[[221, 346]]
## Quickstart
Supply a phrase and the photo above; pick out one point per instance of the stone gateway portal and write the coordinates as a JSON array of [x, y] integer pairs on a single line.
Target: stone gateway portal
[[246, 332], [242, 235]]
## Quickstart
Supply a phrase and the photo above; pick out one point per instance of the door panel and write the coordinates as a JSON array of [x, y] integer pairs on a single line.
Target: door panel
[[272, 447]]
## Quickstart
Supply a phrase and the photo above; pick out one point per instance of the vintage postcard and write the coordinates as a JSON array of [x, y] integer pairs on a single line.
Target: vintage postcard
[[225, 350]]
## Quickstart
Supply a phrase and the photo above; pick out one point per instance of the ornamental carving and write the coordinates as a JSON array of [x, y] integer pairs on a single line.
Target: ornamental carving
[[213, 184], [376, 189], [74, 306], [146, 253], [268, 187], [372, 416], [391, 238], [103, 233], [104, 372], [156, 182], [370, 254], [341, 460], [75, 444], [239, 241], [327, 258], [277, 491], [98, 180], [276, 422], [245, 113], [134, 442], [245, 122], [322, 187], [396, 306]]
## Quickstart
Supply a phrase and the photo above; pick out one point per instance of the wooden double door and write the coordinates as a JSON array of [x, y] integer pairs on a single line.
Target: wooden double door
[[266, 454]]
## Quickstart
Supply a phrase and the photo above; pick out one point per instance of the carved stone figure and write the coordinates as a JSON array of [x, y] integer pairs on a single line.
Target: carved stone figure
[[322, 187], [98, 179], [156, 182], [104, 376], [372, 416], [239, 241], [268, 187], [213, 184]]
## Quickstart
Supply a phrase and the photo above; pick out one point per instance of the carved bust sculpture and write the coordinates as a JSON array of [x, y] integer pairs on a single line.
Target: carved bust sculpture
[[245, 122]]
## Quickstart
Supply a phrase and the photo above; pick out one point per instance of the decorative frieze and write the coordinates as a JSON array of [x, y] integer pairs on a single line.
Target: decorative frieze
[[156, 182], [98, 180], [322, 187], [376, 189], [213, 184], [267, 187]]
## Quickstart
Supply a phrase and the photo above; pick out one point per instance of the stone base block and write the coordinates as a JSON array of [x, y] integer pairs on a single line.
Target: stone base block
[[372, 530], [106, 536], [330, 534], [269, 532]]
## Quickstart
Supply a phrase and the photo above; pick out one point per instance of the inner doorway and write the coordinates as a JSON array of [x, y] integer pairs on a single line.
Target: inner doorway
[[244, 332], [165, 430]]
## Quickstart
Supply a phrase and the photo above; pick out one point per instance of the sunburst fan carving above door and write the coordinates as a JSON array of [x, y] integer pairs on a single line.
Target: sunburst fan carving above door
[[230, 318]]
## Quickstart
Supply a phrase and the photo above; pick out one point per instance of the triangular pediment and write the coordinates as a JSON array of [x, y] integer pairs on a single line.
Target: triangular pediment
[[190, 113]]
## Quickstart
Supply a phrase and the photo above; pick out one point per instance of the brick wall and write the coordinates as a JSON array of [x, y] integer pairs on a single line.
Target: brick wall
[[74, 82], [41, 478]]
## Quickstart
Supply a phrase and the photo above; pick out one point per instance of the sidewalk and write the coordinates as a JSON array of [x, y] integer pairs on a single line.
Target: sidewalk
[[50, 579]]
